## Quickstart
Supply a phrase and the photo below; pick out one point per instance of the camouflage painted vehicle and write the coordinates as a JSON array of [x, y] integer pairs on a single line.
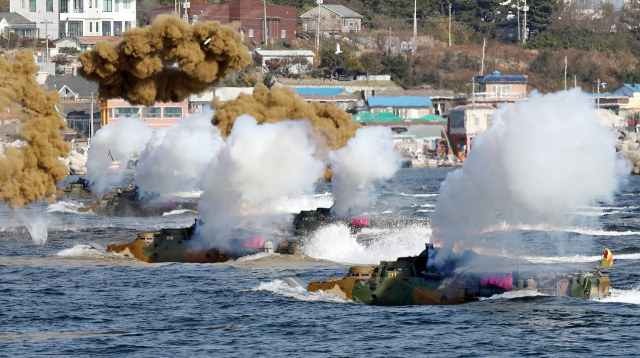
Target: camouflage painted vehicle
[[174, 245], [308, 221], [126, 203], [78, 190], [408, 281]]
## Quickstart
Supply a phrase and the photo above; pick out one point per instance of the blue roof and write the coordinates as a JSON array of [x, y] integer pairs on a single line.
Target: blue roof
[[402, 101], [629, 87], [604, 95], [322, 91], [501, 78]]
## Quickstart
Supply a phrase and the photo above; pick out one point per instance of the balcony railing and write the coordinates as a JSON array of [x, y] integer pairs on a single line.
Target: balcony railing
[[490, 96]]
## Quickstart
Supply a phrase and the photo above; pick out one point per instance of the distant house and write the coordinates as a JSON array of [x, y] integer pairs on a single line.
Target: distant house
[[84, 43], [440, 99], [71, 88], [334, 19], [466, 122], [339, 96], [407, 108], [280, 20], [497, 88], [17, 24], [201, 102], [287, 55], [157, 116], [632, 107]]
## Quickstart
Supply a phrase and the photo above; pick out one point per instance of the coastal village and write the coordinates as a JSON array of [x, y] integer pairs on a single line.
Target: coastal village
[[321, 54]]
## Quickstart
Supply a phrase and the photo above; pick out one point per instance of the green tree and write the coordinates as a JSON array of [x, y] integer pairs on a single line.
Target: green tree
[[371, 63], [397, 67], [72, 51], [268, 80], [331, 61]]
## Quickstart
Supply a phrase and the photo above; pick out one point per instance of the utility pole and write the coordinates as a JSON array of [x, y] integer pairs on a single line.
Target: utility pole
[[91, 120], [46, 36], [449, 24], [526, 9], [415, 26], [598, 100], [473, 92], [518, 21], [484, 43], [565, 73], [264, 2], [389, 40], [575, 81]]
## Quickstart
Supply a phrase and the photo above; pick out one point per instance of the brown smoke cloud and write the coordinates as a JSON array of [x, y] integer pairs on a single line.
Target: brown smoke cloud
[[332, 126], [139, 68], [30, 173]]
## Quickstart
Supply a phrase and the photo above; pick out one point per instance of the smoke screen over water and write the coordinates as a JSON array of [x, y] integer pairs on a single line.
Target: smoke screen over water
[[30, 173], [539, 160], [166, 61]]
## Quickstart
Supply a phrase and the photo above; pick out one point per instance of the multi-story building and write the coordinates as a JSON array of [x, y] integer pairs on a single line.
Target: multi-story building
[[252, 14], [62, 18], [497, 88], [334, 19]]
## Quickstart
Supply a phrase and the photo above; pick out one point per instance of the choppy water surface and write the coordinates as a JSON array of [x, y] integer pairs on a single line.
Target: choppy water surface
[[66, 299]]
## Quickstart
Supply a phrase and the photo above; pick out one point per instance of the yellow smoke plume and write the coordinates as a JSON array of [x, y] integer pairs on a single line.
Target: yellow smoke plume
[[141, 68], [332, 126], [30, 173]]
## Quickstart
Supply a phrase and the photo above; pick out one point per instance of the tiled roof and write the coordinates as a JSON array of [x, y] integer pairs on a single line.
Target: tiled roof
[[77, 84], [502, 78], [416, 93], [16, 19], [633, 88], [342, 11], [323, 91], [401, 101]]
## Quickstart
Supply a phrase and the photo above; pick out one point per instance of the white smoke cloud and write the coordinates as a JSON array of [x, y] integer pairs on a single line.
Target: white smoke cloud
[[369, 156], [123, 139], [175, 157], [538, 160], [259, 163]]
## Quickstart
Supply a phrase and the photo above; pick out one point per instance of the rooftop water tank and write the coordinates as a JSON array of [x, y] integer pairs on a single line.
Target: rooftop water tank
[[497, 73]]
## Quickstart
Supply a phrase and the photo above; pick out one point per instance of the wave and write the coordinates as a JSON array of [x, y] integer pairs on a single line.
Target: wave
[[579, 258], [623, 296], [334, 242], [513, 294], [82, 250], [258, 256], [503, 226], [64, 207], [419, 195], [593, 213], [281, 288], [178, 212]]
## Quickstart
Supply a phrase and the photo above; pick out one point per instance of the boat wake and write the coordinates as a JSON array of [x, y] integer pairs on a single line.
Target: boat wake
[[503, 226], [179, 212], [280, 288], [513, 294], [82, 250], [624, 296], [65, 207], [334, 242]]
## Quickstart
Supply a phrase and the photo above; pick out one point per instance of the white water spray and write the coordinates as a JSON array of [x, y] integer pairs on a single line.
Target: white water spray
[[38, 228], [369, 156], [539, 159], [175, 157]]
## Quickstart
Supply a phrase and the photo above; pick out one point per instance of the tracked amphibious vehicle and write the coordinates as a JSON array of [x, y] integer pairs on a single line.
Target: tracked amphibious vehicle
[[410, 281], [177, 245], [77, 190]]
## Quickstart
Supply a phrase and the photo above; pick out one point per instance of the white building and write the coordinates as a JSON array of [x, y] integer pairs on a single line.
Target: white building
[[63, 18]]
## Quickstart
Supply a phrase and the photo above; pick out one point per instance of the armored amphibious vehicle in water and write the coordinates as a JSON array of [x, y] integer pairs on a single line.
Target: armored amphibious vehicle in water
[[411, 281], [76, 190], [126, 202], [177, 245]]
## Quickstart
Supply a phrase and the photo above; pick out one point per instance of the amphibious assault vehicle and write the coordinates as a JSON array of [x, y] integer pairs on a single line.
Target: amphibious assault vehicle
[[176, 245], [126, 202], [411, 281], [77, 190]]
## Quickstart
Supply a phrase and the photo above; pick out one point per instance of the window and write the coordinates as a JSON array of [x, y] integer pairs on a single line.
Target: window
[[78, 6], [90, 23], [63, 29], [127, 25], [172, 112], [501, 90], [97, 29], [151, 112], [345, 22], [477, 120], [283, 34], [106, 7], [127, 4], [127, 111], [117, 28], [96, 4], [83, 48], [106, 28], [90, 4], [49, 5], [250, 32], [22, 2], [117, 5], [195, 18], [32, 5], [75, 28]]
